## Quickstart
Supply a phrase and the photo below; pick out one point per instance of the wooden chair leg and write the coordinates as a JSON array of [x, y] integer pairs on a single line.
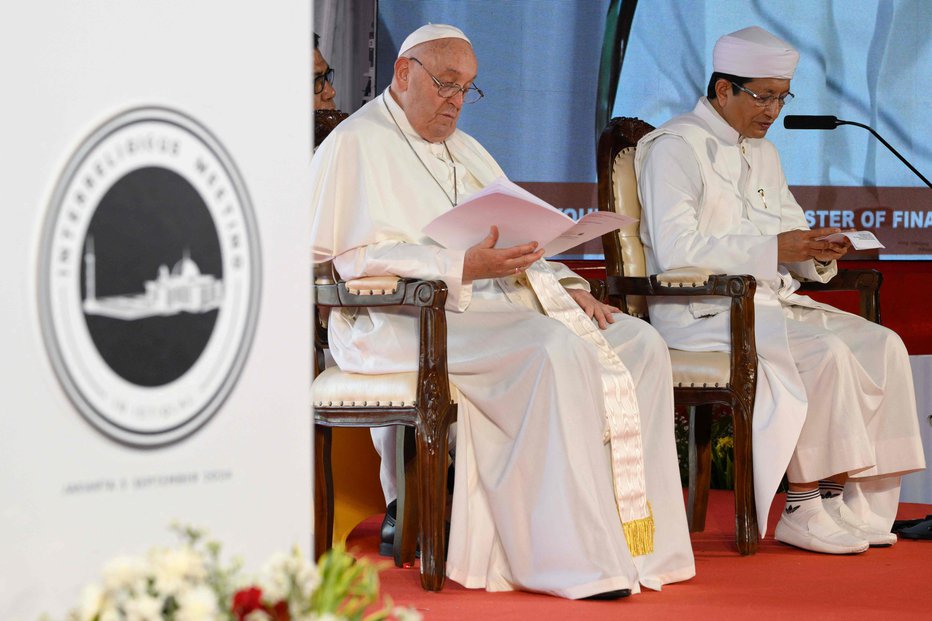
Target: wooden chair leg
[[432, 478], [323, 490], [407, 520], [700, 465], [747, 533]]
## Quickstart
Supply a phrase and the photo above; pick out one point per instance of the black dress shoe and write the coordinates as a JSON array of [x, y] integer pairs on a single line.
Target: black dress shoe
[[610, 595], [922, 530], [387, 542], [387, 533], [899, 525]]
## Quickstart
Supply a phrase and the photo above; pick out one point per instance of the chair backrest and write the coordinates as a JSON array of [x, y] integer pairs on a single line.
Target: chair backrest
[[618, 191]]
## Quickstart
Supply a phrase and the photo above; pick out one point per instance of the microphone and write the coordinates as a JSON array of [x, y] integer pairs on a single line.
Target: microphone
[[822, 121], [810, 121]]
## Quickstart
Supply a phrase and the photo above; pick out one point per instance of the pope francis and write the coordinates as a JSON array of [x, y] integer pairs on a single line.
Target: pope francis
[[566, 475]]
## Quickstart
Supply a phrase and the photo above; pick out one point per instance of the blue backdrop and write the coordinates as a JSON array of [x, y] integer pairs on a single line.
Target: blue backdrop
[[862, 60]]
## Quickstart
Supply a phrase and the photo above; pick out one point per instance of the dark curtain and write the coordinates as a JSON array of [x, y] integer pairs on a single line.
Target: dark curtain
[[617, 33]]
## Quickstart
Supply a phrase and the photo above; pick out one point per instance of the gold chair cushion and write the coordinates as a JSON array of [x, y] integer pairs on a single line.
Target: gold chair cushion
[[625, 189], [334, 387], [700, 368]]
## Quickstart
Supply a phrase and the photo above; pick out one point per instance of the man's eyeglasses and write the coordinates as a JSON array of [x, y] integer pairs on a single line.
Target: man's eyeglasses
[[326, 76], [765, 101], [471, 94]]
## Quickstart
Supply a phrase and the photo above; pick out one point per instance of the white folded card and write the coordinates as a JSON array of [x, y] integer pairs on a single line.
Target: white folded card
[[520, 217], [860, 240]]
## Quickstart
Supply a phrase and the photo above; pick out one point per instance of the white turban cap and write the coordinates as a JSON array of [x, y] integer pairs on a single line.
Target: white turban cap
[[754, 53], [431, 32]]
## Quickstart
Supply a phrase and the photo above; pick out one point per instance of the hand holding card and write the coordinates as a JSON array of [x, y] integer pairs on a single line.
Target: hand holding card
[[860, 240]]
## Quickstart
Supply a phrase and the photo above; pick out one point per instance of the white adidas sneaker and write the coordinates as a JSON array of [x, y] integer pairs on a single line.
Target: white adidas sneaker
[[846, 518], [816, 531]]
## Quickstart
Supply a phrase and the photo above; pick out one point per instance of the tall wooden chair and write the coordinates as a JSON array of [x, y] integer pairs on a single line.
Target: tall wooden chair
[[701, 380], [422, 402]]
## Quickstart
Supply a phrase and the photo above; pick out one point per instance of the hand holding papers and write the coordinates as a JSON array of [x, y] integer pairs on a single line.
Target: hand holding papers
[[860, 240], [521, 217]]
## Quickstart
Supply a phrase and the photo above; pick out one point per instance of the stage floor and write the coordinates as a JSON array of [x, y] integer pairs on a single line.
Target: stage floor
[[778, 582]]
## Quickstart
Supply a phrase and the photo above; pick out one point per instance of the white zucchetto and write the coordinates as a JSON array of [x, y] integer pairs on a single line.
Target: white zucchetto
[[431, 32], [754, 53]]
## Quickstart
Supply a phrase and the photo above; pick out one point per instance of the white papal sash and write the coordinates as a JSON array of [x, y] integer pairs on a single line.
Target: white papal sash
[[622, 420]]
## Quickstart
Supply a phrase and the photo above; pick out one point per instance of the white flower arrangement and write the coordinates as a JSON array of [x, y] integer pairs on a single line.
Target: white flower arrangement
[[189, 583]]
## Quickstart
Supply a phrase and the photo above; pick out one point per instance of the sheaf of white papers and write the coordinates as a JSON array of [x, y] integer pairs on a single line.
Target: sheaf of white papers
[[520, 217], [860, 240]]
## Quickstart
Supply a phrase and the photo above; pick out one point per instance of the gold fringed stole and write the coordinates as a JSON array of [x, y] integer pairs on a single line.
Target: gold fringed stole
[[639, 534], [622, 419]]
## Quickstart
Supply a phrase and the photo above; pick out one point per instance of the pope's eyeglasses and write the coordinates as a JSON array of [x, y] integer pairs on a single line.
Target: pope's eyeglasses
[[765, 101], [471, 93]]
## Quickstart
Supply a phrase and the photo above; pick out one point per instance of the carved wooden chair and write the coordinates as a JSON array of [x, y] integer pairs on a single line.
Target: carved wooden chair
[[421, 403], [325, 121], [701, 380]]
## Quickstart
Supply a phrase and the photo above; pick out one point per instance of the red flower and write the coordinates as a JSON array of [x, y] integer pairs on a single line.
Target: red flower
[[246, 601], [249, 600], [279, 612]]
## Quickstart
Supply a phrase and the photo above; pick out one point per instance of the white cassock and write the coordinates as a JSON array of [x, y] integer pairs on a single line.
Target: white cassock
[[834, 391], [534, 505]]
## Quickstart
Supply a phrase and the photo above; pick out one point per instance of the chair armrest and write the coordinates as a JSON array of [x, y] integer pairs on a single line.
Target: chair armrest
[[428, 295], [684, 277], [682, 283], [865, 282], [382, 291], [373, 285], [370, 292], [597, 288], [741, 290]]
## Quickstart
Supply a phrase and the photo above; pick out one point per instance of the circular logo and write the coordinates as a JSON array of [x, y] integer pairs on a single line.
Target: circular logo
[[149, 277]]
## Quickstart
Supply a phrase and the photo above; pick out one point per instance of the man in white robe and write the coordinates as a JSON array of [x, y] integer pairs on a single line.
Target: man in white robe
[[564, 430], [835, 407]]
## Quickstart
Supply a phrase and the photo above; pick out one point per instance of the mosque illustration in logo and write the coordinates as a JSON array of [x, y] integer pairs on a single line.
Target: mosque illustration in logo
[[182, 289]]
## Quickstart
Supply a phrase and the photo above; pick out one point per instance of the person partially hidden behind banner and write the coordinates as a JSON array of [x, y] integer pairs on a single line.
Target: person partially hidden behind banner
[[566, 477], [835, 407], [326, 115]]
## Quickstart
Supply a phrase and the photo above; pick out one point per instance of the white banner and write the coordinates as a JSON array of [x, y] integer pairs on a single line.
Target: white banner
[[917, 487], [156, 300]]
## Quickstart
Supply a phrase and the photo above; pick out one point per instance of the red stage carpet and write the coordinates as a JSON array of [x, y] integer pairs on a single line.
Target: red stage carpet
[[778, 582]]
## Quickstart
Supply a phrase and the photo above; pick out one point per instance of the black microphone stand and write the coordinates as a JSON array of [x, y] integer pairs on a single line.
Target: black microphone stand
[[886, 144]]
